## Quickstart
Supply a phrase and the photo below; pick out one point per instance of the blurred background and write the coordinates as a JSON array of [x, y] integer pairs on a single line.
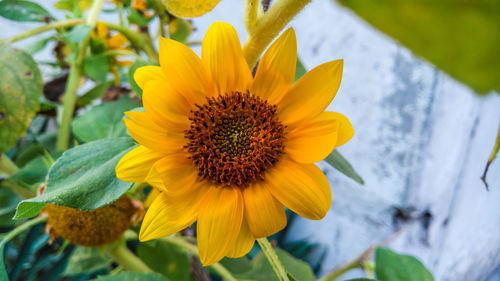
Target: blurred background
[[421, 143]]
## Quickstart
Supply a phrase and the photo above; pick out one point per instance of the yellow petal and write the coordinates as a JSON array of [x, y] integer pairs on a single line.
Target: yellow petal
[[276, 69], [136, 164], [265, 215], [190, 8], [147, 73], [345, 131], [170, 214], [311, 94], [244, 242], [176, 172], [221, 52], [303, 188], [184, 71], [147, 133], [314, 139], [151, 197], [166, 107], [116, 41], [219, 223]]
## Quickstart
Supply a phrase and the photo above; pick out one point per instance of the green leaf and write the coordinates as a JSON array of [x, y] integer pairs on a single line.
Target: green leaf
[[96, 67], [32, 173], [25, 11], [336, 160], [132, 276], [86, 260], [460, 37], [237, 266], [38, 45], [20, 91], [131, 70], [136, 18], [361, 279], [74, 6], [390, 266], [262, 269], [78, 33], [83, 177], [94, 93], [9, 201], [300, 70], [180, 29], [104, 120], [166, 259]]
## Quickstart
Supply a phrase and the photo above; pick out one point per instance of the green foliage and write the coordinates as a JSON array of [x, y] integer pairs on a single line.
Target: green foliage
[[361, 279], [96, 67], [86, 260], [166, 259], [336, 160], [94, 93], [74, 6], [136, 18], [130, 75], [38, 45], [20, 92], [104, 120], [33, 173], [132, 276], [390, 266], [24, 11], [78, 33], [180, 29], [460, 37], [9, 201], [300, 70], [260, 268], [83, 177]]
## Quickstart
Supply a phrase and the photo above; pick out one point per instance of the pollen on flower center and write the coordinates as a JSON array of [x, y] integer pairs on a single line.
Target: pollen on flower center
[[234, 138]]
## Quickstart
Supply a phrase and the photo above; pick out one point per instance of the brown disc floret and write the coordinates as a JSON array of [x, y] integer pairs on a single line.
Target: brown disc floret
[[234, 138]]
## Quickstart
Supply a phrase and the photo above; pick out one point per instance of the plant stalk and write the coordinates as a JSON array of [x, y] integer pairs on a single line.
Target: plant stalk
[[138, 40], [23, 227], [253, 12], [273, 259], [183, 244], [7, 167], [73, 83], [123, 256], [41, 29], [269, 26]]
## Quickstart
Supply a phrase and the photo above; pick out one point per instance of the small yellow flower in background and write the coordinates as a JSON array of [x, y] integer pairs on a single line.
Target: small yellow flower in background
[[112, 42], [190, 8], [229, 150]]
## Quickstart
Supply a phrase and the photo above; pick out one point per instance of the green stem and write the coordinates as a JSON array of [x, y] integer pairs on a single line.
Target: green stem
[[119, 52], [139, 41], [75, 75], [217, 267], [23, 227], [341, 270], [273, 259], [7, 167], [269, 26], [123, 256], [41, 29]]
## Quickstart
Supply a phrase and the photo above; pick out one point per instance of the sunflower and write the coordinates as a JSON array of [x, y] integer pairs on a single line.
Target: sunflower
[[230, 150]]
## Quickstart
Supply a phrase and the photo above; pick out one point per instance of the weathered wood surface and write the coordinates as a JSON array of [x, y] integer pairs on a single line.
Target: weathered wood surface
[[421, 142]]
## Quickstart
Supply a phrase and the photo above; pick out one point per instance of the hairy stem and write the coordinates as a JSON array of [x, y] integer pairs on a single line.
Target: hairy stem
[[41, 29], [253, 11], [123, 256], [73, 83], [269, 26], [183, 244], [273, 259]]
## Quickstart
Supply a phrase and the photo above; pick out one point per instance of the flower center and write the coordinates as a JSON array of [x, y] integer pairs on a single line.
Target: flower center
[[234, 138]]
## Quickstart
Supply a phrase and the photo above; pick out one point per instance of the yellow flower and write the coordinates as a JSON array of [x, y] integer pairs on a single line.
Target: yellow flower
[[112, 42], [190, 8], [229, 150]]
